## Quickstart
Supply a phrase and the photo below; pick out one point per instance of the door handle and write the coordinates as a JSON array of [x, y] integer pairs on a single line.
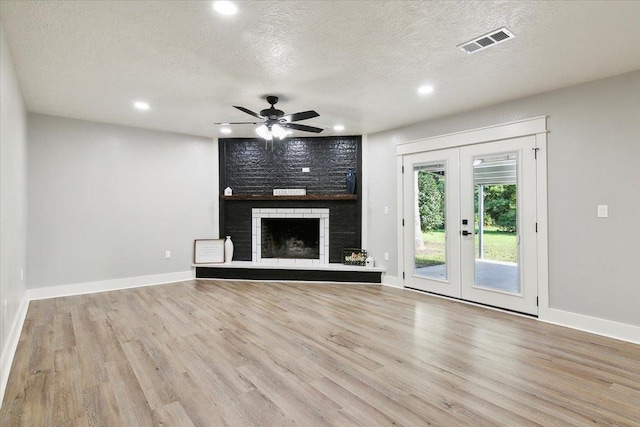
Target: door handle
[[467, 233]]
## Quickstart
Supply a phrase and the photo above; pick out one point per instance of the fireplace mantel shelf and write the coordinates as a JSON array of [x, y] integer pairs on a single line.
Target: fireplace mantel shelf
[[337, 197]]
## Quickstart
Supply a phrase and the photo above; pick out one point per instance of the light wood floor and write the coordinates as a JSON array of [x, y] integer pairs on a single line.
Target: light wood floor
[[235, 353]]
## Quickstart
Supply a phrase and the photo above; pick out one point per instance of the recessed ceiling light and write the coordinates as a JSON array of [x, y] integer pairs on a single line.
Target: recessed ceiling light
[[338, 128], [225, 7], [141, 105], [425, 90], [225, 130]]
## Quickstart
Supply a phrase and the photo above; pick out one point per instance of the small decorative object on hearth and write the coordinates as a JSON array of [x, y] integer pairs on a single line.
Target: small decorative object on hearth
[[228, 250], [370, 262], [351, 182], [228, 191], [352, 256]]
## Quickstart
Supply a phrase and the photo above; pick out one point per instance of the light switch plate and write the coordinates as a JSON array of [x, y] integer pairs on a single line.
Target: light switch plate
[[603, 211], [305, 170]]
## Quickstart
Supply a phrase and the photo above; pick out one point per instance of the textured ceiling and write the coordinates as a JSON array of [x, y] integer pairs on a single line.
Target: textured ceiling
[[358, 63]]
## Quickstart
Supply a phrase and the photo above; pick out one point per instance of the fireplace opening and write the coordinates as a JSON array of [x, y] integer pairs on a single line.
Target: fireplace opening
[[290, 238]]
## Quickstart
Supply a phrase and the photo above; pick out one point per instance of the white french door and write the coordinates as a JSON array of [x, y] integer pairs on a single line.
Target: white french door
[[432, 266], [470, 223]]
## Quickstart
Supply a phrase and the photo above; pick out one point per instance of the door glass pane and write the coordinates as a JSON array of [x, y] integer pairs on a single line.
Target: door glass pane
[[496, 238], [429, 221]]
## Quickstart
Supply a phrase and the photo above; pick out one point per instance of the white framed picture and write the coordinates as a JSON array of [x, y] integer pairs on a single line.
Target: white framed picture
[[208, 251]]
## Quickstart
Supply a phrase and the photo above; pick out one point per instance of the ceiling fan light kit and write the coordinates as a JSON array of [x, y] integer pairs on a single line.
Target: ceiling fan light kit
[[276, 131], [275, 123]]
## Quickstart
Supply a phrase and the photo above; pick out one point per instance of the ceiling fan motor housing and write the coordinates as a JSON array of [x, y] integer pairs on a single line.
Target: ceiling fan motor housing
[[272, 114]]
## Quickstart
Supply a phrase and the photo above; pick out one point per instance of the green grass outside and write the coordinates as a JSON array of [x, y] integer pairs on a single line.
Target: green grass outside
[[498, 246]]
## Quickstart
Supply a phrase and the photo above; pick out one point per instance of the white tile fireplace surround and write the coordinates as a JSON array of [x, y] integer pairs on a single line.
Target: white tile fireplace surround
[[257, 214]]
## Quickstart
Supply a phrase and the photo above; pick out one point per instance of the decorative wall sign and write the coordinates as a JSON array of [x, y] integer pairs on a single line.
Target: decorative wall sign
[[208, 251], [289, 192], [352, 256]]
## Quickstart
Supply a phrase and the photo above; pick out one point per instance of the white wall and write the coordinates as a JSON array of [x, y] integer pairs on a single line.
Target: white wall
[[13, 207], [593, 158], [107, 201]]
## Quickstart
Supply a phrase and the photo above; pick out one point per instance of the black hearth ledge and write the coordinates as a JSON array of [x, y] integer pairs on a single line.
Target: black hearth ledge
[[247, 270]]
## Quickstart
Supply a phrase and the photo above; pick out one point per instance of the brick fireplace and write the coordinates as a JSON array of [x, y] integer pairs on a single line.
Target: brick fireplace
[[316, 164]]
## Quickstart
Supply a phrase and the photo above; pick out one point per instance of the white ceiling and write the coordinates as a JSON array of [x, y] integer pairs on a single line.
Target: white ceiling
[[358, 63]]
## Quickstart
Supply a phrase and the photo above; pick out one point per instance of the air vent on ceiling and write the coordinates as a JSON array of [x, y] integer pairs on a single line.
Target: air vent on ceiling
[[486, 40]]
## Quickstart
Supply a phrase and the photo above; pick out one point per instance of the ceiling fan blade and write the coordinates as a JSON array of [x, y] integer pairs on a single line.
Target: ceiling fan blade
[[303, 128], [237, 123], [304, 115], [246, 110]]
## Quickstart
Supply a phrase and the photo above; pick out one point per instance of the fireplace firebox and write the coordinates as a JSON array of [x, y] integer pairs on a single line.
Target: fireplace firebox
[[290, 235], [291, 238]]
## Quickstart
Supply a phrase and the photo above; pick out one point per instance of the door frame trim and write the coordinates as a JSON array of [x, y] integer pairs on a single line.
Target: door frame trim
[[400, 208], [532, 126], [536, 126]]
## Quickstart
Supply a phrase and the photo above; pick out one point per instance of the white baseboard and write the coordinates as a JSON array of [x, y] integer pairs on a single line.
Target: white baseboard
[[391, 281], [594, 325], [11, 345], [107, 285]]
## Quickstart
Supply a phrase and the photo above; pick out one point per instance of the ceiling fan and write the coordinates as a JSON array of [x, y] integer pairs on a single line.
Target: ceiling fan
[[275, 123]]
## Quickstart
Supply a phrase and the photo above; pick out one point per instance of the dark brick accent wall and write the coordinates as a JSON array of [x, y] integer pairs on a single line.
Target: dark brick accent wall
[[249, 168], [252, 169]]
